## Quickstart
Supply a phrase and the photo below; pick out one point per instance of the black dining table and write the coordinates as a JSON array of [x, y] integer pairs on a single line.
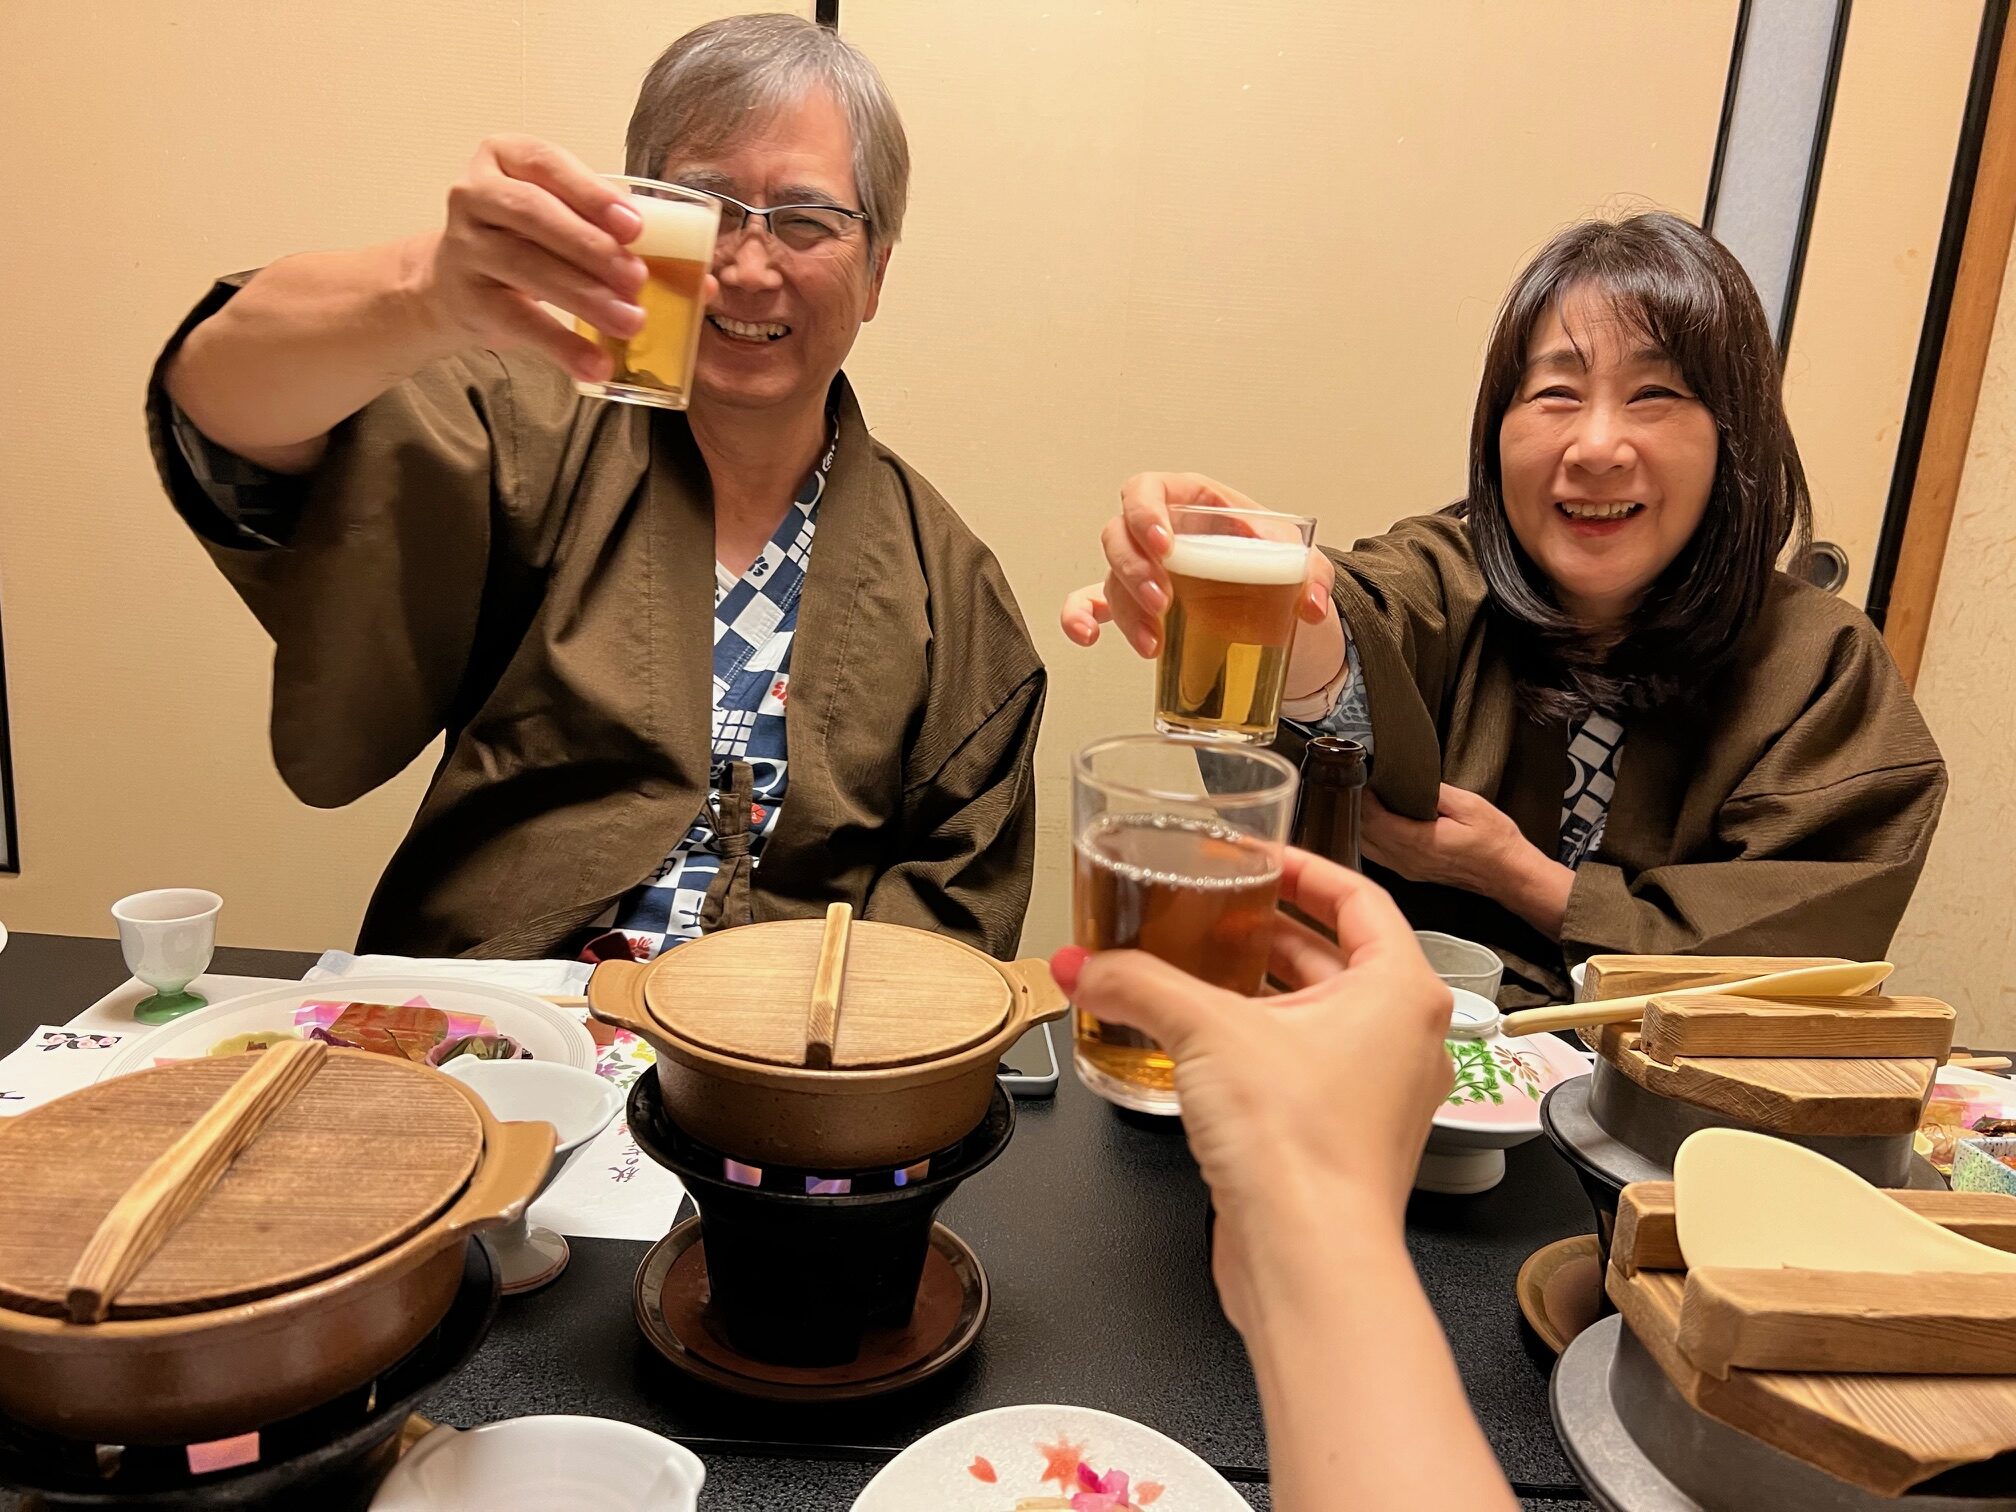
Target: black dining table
[[1091, 1228]]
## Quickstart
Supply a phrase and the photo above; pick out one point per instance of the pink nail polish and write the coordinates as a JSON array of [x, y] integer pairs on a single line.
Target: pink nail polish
[[1066, 964]]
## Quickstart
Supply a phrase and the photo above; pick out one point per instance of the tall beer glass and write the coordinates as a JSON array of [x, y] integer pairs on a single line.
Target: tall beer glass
[[655, 366], [1236, 575], [1177, 851]]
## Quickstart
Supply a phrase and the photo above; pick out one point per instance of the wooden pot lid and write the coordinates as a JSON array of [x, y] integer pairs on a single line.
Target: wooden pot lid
[[362, 1157], [1786, 1095], [903, 997]]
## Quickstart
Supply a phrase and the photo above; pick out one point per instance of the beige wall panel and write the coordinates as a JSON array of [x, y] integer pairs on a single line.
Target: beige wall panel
[[153, 146], [1869, 264], [1262, 240], [1959, 939]]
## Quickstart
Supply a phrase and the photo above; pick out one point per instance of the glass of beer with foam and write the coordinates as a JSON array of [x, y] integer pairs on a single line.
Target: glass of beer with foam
[[677, 246], [1176, 850], [1235, 577]]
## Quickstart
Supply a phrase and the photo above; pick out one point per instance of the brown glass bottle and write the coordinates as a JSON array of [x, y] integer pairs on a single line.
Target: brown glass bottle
[[1333, 783]]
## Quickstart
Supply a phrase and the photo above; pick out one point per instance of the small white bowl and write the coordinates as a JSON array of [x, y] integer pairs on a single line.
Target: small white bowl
[[579, 1105], [1462, 964], [540, 1464]]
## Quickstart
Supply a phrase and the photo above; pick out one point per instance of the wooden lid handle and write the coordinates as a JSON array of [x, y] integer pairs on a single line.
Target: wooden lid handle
[[141, 1221], [822, 1023]]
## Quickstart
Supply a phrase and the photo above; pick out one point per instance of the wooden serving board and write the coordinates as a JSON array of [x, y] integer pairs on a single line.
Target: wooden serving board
[[364, 1156], [1648, 1238], [1864, 1028], [1781, 1096], [1880, 1432]]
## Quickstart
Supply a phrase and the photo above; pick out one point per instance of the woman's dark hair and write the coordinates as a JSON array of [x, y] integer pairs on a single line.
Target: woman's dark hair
[[1681, 290]]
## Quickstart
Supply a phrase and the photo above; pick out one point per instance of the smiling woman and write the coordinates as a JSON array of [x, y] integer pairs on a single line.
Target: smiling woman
[[1633, 480], [1601, 717]]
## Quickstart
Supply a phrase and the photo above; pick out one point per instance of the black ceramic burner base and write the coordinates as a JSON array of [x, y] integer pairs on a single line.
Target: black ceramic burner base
[[670, 1300], [330, 1458], [798, 1278]]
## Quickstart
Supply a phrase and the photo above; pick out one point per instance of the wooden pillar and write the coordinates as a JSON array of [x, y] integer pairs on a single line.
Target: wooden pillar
[[1963, 356]]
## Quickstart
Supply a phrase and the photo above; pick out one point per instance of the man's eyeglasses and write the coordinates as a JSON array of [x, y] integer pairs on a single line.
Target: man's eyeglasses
[[802, 228]]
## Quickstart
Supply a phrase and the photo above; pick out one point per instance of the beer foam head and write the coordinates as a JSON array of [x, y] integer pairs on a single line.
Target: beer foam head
[[1238, 559], [677, 229]]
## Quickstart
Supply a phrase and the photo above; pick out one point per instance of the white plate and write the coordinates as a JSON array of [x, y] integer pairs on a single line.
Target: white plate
[[544, 1464], [550, 1033], [1033, 1452]]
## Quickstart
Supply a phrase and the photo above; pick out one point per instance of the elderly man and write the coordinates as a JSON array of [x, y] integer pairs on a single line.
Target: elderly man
[[668, 708]]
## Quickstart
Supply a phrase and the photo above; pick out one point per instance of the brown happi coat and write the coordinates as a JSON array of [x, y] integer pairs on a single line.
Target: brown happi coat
[[482, 554], [1784, 810]]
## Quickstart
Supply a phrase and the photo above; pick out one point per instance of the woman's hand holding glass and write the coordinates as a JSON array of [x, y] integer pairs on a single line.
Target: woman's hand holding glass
[[1136, 592], [1318, 1097]]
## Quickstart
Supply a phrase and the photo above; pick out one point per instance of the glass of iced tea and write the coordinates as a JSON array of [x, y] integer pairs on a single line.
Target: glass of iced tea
[[1176, 851], [1235, 576]]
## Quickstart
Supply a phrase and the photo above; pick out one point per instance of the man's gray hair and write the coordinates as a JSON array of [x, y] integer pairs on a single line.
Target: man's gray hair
[[720, 79]]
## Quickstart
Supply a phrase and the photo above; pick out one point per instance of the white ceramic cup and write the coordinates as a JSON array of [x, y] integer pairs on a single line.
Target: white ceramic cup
[[168, 935], [579, 1105], [541, 1464], [1462, 964]]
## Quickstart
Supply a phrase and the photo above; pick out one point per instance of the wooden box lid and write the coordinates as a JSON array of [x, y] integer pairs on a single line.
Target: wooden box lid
[[1871, 1027], [1615, 976], [906, 997], [1811, 1096], [1885, 1433], [363, 1156]]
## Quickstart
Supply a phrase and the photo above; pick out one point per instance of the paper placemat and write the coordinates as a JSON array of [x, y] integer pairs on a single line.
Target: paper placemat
[[52, 1061], [610, 1188]]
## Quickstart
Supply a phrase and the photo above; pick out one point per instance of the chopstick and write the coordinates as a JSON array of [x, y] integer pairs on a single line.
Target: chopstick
[[1978, 1062]]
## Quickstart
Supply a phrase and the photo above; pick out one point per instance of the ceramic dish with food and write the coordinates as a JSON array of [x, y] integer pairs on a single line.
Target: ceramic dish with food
[[414, 1018], [1047, 1456]]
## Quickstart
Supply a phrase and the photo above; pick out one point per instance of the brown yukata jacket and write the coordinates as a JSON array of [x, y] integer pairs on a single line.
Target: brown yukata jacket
[[1786, 812], [483, 554]]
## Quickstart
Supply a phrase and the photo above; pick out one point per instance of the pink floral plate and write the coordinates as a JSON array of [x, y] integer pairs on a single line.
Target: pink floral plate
[[1048, 1459], [1494, 1099], [1499, 1084]]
